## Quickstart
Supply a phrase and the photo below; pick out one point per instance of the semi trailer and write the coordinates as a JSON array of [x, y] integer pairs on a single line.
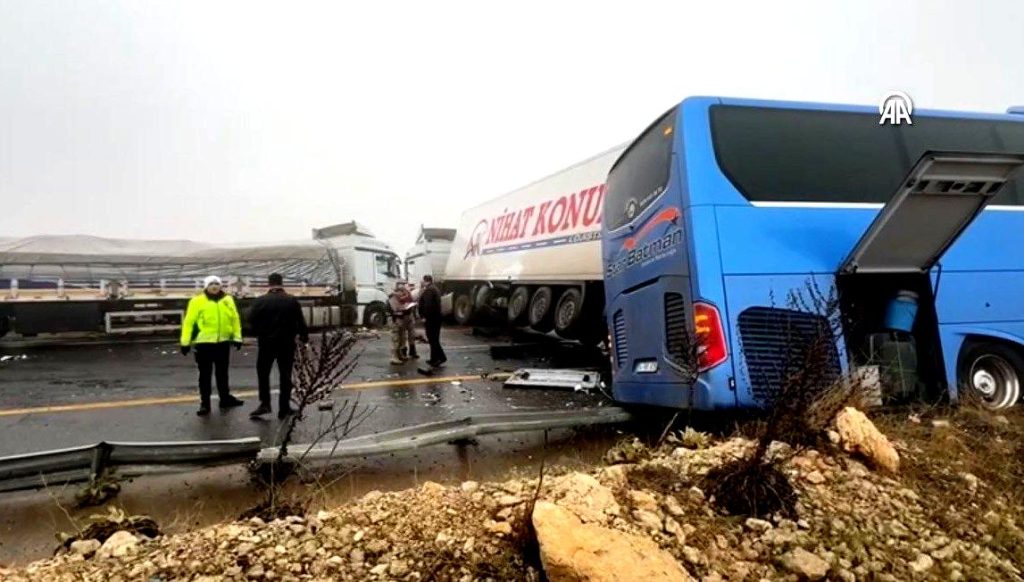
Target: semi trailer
[[532, 257], [63, 284]]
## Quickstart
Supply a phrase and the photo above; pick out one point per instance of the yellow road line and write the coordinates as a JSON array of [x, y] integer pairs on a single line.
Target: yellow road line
[[85, 406]]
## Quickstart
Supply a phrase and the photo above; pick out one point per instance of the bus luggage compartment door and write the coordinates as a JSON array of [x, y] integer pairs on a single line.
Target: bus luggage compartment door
[[939, 199]]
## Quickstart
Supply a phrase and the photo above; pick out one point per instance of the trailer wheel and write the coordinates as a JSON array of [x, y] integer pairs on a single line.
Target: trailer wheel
[[375, 316], [542, 312], [463, 309], [992, 373], [568, 313], [518, 307]]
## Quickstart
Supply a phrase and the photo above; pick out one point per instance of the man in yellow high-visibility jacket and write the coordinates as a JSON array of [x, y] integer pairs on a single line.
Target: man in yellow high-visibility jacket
[[212, 325]]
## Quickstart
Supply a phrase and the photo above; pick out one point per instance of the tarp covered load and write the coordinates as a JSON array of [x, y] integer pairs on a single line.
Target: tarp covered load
[[80, 258]]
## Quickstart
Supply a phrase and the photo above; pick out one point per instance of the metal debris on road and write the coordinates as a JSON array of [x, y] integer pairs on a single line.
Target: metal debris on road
[[576, 380]]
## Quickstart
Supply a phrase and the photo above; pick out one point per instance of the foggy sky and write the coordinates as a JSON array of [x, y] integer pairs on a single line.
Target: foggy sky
[[244, 121]]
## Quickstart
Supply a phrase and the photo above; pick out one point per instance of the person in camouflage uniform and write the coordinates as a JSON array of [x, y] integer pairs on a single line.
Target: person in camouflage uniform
[[400, 302]]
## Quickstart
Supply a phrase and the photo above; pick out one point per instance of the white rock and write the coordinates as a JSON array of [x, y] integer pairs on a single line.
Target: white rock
[[469, 486], [922, 564], [117, 545], [85, 548], [758, 525], [805, 564]]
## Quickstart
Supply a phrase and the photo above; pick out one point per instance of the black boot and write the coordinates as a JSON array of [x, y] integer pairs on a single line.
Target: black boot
[[260, 411], [230, 402], [204, 409]]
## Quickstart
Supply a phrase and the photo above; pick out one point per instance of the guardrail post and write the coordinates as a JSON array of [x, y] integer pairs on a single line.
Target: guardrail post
[[100, 456]]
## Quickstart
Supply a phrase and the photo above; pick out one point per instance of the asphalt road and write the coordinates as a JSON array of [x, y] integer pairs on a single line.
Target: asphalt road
[[60, 395]]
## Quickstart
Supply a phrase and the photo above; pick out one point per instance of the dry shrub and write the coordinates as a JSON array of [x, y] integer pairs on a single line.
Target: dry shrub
[[803, 393], [757, 489]]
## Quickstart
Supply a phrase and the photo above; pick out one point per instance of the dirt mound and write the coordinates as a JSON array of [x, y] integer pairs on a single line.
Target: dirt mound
[[950, 514]]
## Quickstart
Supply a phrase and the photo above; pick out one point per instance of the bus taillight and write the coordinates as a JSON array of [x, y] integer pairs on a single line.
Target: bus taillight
[[708, 325]]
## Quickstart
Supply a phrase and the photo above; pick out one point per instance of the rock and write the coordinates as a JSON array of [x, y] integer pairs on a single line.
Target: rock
[[758, 525], [805, 564], [372, 496], [693, 556], [940, 423], [833, 436], [616, 474], [499, 527], [647, 519], [644, 501], [117, 545], [971, 480], [846, 575], [442, 538], [336, 561], [356, 556], [1000, 419], [573, 550], [672, 527], [815, 477], [672, 506], [509, 500], [469, 486], [858, 435], [398, 568], [922, 564], [696, 493], [379, 569], [432, 488], [586, 497], [85, 548]]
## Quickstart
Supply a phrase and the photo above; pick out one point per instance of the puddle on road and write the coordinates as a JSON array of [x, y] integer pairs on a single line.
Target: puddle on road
[[30, 520]]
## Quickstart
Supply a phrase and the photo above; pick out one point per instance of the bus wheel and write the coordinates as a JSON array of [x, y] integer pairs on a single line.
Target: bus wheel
[[542, 313], [992, 373], [518, 307], [375, 316], [568, 312], [463, 309]]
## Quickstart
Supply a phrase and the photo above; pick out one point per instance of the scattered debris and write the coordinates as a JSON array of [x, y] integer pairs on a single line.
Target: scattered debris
[[576, 380]]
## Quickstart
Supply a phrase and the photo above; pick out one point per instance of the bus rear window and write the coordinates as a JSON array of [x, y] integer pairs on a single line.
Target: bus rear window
[[641, 174], [794, 155]]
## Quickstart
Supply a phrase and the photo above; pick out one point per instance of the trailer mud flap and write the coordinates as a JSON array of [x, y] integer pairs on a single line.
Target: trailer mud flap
[[939, 199]]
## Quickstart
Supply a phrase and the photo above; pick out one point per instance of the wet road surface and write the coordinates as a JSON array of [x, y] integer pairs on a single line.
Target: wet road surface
[[56, 396]]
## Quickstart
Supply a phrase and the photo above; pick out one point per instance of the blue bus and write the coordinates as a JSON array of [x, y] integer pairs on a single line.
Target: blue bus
[[722, 207]]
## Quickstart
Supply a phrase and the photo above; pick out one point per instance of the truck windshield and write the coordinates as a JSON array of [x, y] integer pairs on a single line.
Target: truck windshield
[[641, 174], [793, 155]]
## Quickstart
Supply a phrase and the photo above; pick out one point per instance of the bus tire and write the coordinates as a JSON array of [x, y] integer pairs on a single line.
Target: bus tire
[[991, 372], [463, 309], [542, 309], [375, 316], [518, 307], [568, 313]]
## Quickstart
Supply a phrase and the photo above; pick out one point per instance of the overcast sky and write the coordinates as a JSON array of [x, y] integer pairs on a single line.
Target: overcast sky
[[243, 121]]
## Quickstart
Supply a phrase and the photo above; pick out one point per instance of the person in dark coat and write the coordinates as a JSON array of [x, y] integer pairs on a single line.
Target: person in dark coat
[[276, 319], [430, 311]]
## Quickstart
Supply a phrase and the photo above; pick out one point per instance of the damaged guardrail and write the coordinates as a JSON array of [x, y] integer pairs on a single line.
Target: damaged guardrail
[[92, 462], [89, 463], [445, 431]]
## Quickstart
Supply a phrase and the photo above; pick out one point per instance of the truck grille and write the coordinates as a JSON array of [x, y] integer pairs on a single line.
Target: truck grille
[[621, 344], [677, 343], [776, 344]]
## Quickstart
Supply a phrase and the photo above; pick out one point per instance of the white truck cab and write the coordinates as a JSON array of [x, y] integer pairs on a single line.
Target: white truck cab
[[429, 256], [372, 269]]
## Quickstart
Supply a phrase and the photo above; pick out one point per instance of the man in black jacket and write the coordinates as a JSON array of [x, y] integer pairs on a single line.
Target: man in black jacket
[[276, 318], [430, 311]]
